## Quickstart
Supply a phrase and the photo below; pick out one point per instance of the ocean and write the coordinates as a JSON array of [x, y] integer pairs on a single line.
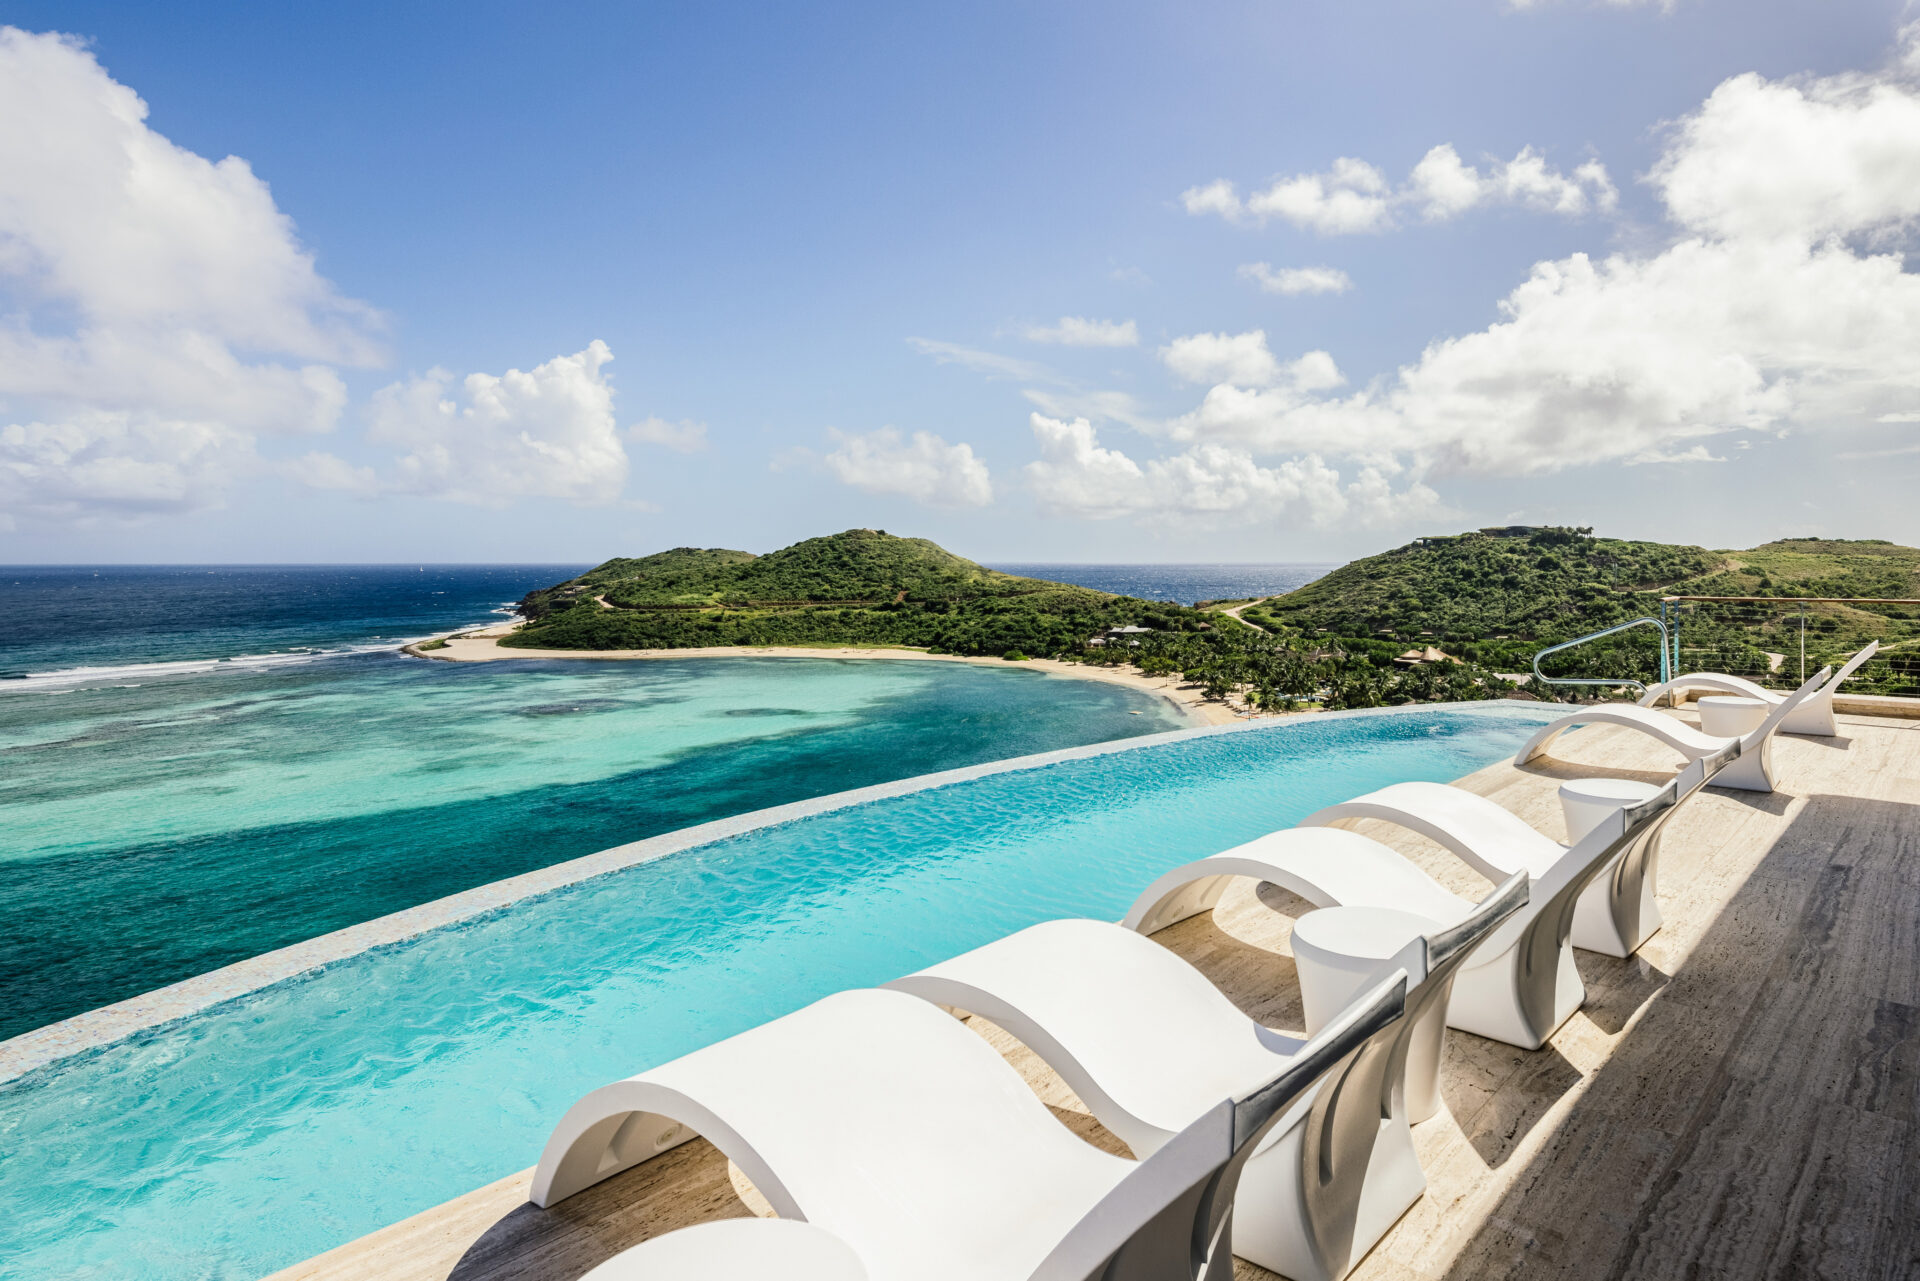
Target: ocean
[[1184, 584], [202, 763]]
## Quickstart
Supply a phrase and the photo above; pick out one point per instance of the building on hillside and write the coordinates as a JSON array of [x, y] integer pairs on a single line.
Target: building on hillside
[[1428, 654], [1128, 635]]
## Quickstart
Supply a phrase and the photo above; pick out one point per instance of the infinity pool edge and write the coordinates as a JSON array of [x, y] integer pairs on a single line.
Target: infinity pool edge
[[96, 1029]]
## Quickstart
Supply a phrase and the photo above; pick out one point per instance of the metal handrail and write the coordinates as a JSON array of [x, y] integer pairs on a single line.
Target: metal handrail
[[1545, 679]]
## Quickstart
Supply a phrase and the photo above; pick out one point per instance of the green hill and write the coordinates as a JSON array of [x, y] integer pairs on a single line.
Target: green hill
[[862, 587], [1497, 596]]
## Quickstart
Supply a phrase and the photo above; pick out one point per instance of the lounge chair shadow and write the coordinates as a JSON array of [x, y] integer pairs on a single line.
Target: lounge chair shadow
[[1617, 989], [1833, 742], [1496, 1126], [1261, 981], [687, 1185], [1703, 1144], [1775, 802], [1553, 767]]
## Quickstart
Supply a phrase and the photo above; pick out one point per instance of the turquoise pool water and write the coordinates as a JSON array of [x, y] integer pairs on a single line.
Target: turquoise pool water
[[276, 1126]]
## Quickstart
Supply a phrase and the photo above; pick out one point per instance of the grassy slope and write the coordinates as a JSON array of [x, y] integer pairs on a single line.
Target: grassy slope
[[861, 587]]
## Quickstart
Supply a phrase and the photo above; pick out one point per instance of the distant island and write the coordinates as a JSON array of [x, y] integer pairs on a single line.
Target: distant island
[[861, 587], [1443, 618]]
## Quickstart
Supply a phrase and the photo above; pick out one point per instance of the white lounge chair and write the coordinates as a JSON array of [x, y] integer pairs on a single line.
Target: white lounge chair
[[1148, 1043], [1753, 772], [1814, 716], [1614, 915], [892, 1129], [1518, 986]]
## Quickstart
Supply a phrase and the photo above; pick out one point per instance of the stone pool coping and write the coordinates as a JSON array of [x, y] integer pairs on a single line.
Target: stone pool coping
[[95, 1029]]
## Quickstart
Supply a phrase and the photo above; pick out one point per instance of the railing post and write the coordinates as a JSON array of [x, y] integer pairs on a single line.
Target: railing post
[[1803, 644], [1670, 663]]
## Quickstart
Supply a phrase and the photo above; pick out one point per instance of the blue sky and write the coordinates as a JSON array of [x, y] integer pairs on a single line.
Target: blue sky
[[1077, 282]]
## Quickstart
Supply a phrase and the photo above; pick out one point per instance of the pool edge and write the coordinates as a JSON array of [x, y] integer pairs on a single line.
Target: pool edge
[[95, 1029]]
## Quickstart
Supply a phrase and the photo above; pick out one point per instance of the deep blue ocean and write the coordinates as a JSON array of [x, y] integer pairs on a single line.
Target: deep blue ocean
[[202, 763], [1183, 584]]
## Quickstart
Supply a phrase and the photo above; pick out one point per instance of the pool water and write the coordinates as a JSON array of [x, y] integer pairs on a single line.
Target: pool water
[[279, 1125]]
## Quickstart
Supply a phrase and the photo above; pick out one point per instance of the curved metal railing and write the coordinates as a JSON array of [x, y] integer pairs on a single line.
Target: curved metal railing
[[1665, 650]]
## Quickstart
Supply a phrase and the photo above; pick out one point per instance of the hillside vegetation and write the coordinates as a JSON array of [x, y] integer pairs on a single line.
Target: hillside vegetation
[[862, 587], [866, 587], [1497, 596], [1489, 599]]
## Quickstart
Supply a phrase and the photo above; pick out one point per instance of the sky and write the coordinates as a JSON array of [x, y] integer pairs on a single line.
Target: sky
[[1066, 282]]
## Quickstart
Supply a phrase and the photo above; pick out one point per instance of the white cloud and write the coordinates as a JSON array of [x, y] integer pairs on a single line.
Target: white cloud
[[1757, 317], [1242, 359], [1798, 158], [108, 464], [1351, 197], [1292, 281], [157, 299], [1245, 361], [683, 437], [1077, 331], [924, 468], [546, 433], [1355, 197], [1076, 476]]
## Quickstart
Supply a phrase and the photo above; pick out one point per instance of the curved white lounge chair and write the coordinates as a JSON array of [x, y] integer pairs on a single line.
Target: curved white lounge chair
[[891, 1128], [1614, 915], [1518, 986], [1753, 772], [1148, 1043], [1814, 716]]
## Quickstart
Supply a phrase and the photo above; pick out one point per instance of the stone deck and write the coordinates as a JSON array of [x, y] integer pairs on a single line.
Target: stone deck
[[1739, 1100]]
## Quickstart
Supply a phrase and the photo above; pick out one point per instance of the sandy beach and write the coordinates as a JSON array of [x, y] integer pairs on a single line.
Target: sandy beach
[[483, 646]]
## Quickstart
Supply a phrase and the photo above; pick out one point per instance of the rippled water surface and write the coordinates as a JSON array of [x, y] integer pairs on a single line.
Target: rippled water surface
[[274, 1127]]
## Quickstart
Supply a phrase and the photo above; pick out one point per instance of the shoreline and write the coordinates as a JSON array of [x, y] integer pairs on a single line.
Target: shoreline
[[482, 646]]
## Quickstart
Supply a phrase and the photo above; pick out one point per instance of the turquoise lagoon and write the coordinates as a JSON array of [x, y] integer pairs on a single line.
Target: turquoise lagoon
[[265, 1130], [161, 820]]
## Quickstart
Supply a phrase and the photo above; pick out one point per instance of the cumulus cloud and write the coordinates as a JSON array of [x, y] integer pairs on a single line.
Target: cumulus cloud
[[1244, 360], [1354, 197], [546, 433], [924, 468], [683, 437], [1075, 475], [1780, 302], [160, 301], [1291, 281], [1798, 158], [1077, 331]]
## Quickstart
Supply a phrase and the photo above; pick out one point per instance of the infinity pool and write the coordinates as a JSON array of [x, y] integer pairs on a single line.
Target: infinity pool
[[273, 1127]]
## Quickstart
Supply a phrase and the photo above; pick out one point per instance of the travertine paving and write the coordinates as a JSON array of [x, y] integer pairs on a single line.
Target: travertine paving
[[1739, 1100]]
